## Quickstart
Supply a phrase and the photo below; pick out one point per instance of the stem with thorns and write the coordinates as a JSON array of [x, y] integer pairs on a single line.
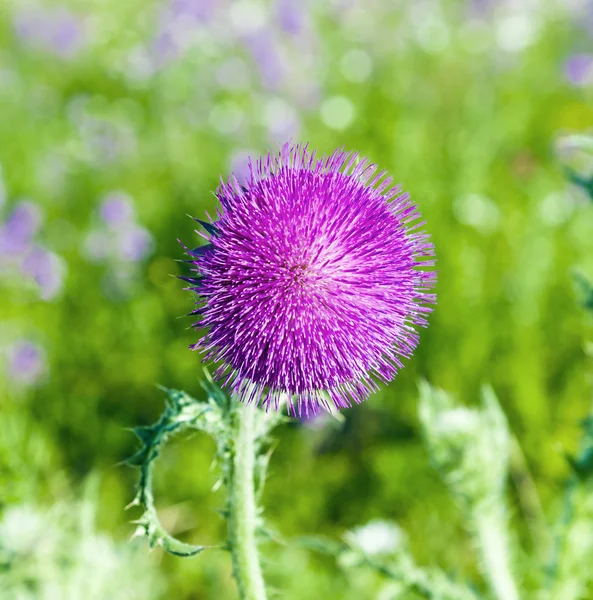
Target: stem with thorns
[[242, 517]]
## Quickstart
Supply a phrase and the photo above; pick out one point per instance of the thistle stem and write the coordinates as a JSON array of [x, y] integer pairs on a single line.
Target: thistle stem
[[493, 544], [242, 520]]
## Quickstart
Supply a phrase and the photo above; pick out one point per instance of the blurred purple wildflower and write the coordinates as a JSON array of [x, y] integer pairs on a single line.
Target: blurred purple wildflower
[[239, 165], [179, 20], [46, 269], [118, 237], [164, 49], [312, 281], [578, 69], [134, 244], [56, 30], [264, 51], [198, 10], [104, 139], [26, 362], [19, 229], [22, 255], [117, 209], [291, 16], [481, 8]]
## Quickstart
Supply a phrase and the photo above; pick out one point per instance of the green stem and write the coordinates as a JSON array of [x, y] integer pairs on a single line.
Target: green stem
[[243, 508], [493, 544], [529, 499]]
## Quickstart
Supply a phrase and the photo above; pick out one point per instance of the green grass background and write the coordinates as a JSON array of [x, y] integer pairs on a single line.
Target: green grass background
[[451, 120]]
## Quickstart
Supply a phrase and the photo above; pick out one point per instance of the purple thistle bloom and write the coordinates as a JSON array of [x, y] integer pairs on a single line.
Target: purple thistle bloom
[[310, 286]]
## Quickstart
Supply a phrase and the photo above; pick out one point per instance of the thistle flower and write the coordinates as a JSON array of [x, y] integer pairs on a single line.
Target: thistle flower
[[312, 281]]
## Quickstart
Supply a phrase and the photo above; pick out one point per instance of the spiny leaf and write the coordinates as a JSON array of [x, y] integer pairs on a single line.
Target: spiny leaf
[[215, 416], [182, 412], [196, 281], [200, 250], [137, 459], [267, 533], [586, 183], [145, 434], [321, 544], [214, 392], [209, 227], [150, 527], [585, 290], [583, 464]]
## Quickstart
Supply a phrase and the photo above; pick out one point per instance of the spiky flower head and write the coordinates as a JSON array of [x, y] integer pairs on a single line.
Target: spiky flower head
[[312, 282]]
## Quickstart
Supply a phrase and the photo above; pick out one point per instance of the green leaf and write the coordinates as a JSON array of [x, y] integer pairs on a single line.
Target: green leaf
[[182, 412], [584, 290], [214, 392], [321, 544], [145, 434], [585, 183]]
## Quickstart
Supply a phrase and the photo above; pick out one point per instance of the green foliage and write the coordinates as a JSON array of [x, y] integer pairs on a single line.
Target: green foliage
[[27, 458], [585, 291], [382, 547], [465, 124], [182, 412], [215, 416], [50, 553], [471, 448], [568, 574]]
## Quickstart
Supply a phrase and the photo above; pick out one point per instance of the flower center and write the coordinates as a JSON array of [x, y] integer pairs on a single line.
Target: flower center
[[299, 273]]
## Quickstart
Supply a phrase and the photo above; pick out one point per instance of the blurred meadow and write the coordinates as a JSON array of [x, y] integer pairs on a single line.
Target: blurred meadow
[[117, 120]]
